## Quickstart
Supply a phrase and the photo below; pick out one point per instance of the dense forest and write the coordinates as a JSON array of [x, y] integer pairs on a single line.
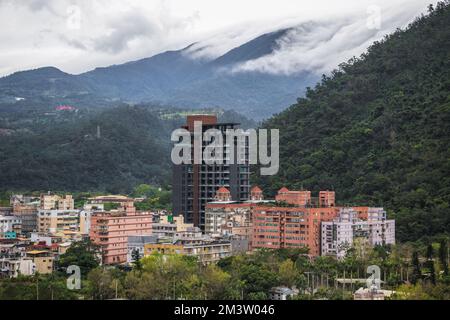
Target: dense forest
[[112, 150], [377, 130], [107, 150]]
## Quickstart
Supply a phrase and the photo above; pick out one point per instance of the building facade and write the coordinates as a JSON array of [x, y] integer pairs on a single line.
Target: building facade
[[168, 226], [111, 229], [136, 246], [29, 216], [228, 218], [10, 224], [59, 221], [54, 202], [194, 185], [207, 251], [43, 261], [340, 234]]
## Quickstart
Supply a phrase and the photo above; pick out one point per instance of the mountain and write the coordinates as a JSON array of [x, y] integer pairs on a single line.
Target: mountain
[[172, 78], [378, 130], [46, 81], [259, 47]]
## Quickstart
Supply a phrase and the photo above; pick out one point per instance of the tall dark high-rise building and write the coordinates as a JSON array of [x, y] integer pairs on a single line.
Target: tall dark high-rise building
[[194, 185]]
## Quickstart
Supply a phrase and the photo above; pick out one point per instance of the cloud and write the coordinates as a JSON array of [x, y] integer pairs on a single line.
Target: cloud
[[124, 30], [320, 46], [39, 33]]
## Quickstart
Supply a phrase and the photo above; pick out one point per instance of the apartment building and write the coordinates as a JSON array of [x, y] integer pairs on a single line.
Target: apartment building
[[163, 246], [339, 234], [209, 252], [20, 199], [66, 222], [228, 218], [111, 229], [284, 227], [6, 211], [43, 261], [10, 224], [168, 226], [294, 226], [233, 219], [194, 185], [29, 216], [136, 244], [13, 267], [54, 202], [206, 249]]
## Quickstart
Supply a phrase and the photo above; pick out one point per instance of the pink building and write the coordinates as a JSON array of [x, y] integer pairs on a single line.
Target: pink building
[[110, 230]]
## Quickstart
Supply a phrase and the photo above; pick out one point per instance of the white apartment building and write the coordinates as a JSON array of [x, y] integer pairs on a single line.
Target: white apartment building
[[337, 236], [222, 220], [9, 224], [11, 268]]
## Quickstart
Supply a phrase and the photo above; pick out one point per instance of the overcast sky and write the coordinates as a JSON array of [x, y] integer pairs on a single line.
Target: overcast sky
[[79, 35]]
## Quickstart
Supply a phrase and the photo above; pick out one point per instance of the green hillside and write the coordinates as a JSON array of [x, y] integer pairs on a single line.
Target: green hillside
[[105, 150], [68, 154], [378, 129]]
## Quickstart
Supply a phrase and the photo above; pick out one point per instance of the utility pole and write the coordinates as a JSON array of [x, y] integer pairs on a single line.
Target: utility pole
[[174, 290], [343, 283], [448, 256], [117, 284], [343, 287], [351, 280], [336, 285], [37, 288], [407, 274]]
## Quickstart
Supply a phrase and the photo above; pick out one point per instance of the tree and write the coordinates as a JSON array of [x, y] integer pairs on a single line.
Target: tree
[[430, 263], [83, 254], [215, 282], [170, 273], [443, 256], [411, 292], [102, 285], [288, 273], [136, 256], [417, 273]]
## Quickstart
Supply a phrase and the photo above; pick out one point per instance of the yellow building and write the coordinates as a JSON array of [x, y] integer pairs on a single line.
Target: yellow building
[[162, 248], [43, 261], [168, 226], [207, 252]]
